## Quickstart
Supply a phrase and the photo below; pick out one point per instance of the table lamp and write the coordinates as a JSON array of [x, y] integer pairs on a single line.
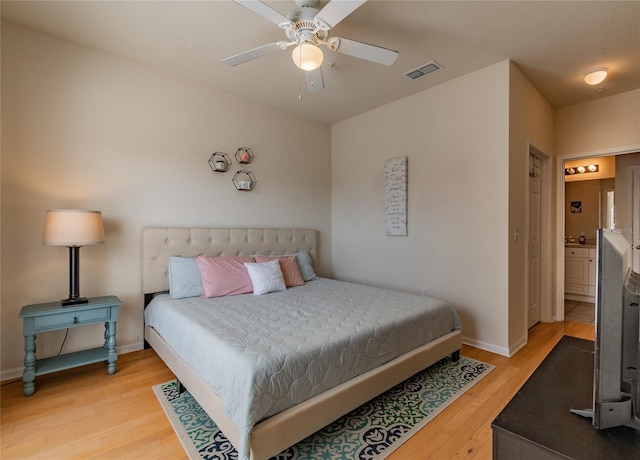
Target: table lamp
[[74, 229]]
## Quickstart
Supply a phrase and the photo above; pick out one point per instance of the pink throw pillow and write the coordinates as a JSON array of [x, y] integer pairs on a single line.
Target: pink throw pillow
[[224, 276], [289, 267]]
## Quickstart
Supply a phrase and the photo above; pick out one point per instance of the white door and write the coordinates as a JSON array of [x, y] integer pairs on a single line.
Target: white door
[[533, 245]]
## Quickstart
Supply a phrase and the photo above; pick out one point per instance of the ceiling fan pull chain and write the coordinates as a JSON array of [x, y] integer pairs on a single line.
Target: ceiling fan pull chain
[[300, 87]]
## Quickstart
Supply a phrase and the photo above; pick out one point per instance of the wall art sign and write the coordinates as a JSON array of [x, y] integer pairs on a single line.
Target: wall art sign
[[395, 196], [576, 207]]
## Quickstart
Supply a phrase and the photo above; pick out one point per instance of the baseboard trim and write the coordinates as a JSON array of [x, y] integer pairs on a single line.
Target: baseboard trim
[[580, 298], [486, 346]]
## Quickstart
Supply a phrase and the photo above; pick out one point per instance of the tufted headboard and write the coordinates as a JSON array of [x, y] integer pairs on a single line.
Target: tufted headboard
[[159, 243]]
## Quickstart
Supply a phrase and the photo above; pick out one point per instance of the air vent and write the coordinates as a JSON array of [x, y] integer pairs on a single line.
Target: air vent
[[425, 69]]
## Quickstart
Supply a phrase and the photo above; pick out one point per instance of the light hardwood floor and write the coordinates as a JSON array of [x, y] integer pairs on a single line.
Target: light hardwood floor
[[85, 413]]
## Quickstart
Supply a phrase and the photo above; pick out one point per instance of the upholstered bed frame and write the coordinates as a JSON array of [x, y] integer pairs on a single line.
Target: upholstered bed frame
[[273, 435]]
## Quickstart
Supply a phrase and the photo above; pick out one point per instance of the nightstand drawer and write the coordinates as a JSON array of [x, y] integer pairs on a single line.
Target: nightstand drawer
[[72, 318]]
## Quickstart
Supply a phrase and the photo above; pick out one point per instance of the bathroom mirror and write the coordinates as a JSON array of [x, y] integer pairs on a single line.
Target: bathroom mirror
[[589, 205]]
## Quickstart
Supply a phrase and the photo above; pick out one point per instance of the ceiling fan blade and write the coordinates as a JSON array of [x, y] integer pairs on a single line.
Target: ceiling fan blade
[[265, 11], [335, 11], [252, 54], [363, 50], [315, 82]]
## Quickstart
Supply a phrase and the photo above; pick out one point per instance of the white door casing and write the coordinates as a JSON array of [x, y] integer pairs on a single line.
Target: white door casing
[[533, 243]]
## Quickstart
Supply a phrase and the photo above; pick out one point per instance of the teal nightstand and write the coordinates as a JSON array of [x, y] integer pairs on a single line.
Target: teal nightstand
[[53, 316]]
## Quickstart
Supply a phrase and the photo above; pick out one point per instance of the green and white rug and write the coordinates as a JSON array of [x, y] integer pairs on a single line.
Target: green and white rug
[[372, 431]]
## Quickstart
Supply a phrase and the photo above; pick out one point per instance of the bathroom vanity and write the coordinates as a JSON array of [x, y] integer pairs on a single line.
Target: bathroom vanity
[[580, 272]]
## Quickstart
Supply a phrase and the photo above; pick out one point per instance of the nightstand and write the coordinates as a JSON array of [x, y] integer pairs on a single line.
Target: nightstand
[[53, 316]]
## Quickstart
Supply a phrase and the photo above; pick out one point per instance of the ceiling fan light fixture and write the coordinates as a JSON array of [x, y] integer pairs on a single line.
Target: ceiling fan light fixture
[[307, 56], [595, 76]]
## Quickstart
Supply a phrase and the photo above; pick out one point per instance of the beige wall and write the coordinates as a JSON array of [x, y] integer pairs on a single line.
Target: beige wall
[[82, 129], [455, 136], [530, 124], [467, 143], [603, 124]]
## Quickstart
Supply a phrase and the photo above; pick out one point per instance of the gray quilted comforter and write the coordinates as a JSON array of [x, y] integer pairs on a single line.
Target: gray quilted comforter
[[263, 354]]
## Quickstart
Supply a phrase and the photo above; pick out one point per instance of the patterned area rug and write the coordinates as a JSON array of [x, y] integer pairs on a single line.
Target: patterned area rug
[[372, 431]]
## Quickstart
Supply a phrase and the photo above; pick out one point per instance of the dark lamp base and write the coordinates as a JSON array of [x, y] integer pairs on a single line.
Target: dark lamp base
[[75, 301]]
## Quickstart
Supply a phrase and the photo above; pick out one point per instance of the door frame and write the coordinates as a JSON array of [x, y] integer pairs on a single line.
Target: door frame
[[546, 260], [559, 294]]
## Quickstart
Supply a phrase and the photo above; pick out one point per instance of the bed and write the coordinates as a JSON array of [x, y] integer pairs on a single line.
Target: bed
[[301, 381]]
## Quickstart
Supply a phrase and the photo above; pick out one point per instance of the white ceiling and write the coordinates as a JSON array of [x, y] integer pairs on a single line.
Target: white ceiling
[[553, 42]]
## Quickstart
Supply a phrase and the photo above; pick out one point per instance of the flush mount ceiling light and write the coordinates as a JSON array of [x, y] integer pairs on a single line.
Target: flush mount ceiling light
[[595, 76], [307, 56]]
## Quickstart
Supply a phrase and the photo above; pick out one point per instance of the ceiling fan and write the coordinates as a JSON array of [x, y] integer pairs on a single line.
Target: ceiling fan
[[307, 28]]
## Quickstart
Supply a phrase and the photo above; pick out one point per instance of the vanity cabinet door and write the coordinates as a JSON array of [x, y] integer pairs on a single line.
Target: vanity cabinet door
[[576, 271]]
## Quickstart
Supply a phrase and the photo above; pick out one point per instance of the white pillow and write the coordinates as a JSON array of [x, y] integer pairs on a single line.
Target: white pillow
[[266, 277]]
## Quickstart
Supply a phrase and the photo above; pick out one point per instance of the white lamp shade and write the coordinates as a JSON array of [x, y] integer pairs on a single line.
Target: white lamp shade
[[595, 76], [71, 227], [307, 56]]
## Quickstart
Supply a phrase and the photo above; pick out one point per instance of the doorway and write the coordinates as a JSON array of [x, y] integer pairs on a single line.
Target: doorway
[[624, 202]]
